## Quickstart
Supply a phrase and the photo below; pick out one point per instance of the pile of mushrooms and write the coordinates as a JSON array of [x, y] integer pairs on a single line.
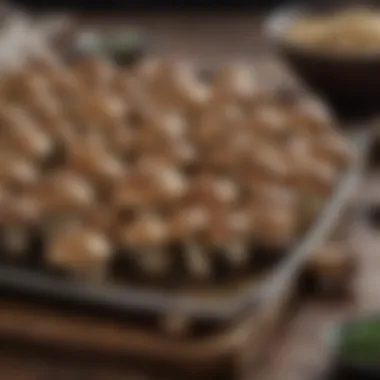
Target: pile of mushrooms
[[146, 162]]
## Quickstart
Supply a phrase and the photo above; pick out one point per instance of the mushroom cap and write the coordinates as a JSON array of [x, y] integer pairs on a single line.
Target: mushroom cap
[[24, 134], [237, 81], [64, 83], [167, 179], [94, 72], [147, 231], [23, 84], [213, 192], [310, 117], [270, 120], [16, 170], [334, 148], [276, 226], [333, 258], [93, 160], [78, 248], [134, 191], [188, 222], [148, 70], [269, 161], [316, 177], [45, 107], [66, 190], [188, 91], [24, 209], [107, 110], [267, 192], [227, 227], [173, 124]]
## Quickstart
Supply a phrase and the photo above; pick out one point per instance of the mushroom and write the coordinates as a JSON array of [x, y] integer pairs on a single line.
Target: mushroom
[[154, 157], [92, 159], [237, 82], [148, 70], [20, 216], [270, 162], [146, 241], [316, 177], [16, 170], [46, 108], [188, 91], [213, 192], [172, 124], [65, 84], [187, 226], [169, 182], [45, 63], [80, 251], [101, 110], [227, 236], [25, 135], [23, 85], [195, 95], [94, 72], [335, 149], [65, 192], [332, 267], [276, 226], [135, 191], [188, 222], [219, 124], [314, 180], [270, 121], [264, 191], [310, 117]]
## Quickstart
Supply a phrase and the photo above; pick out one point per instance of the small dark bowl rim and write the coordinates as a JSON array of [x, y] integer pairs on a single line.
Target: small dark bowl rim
[[281, 19], [352, 364]]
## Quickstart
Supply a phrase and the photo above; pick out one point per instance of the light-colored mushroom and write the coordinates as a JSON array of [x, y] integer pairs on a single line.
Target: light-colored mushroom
[[16, 170], [66, 191], [79, 251], [146, 241], [25, 135], [91, 158]]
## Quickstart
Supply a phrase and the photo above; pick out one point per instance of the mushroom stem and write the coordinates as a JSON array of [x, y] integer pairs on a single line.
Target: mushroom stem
[[154, 262], [237, 253], [197, 262]]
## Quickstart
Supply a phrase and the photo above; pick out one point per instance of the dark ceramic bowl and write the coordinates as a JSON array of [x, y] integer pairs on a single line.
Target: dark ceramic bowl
[[351, 84], [343, 368]]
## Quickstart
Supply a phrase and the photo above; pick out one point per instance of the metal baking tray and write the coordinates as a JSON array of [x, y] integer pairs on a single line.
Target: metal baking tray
[[220, 305]]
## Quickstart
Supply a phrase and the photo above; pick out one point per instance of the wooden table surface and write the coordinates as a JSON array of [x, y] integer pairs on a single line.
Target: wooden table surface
[[301, 351]]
